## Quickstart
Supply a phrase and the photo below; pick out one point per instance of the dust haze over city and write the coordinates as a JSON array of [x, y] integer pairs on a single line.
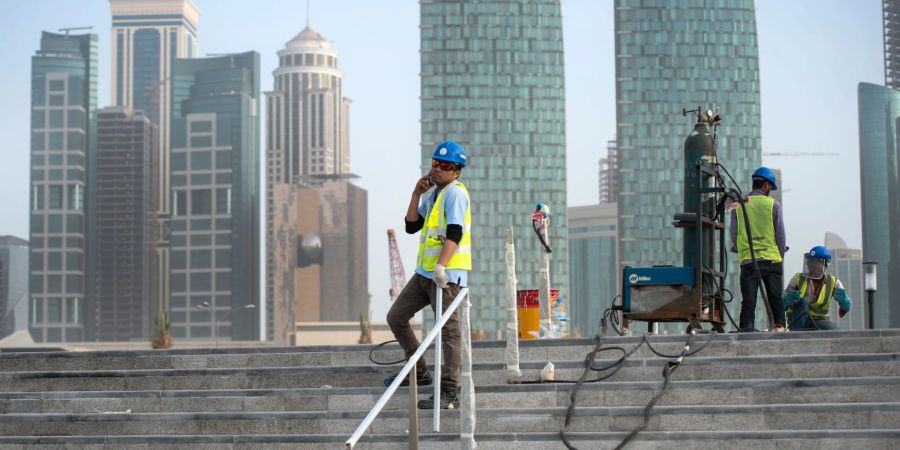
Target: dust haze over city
[[812, 58]]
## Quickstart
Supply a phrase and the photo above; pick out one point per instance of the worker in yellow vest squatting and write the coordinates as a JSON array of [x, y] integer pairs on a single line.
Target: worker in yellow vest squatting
[[440, 208], [810, 292], [767, 231]]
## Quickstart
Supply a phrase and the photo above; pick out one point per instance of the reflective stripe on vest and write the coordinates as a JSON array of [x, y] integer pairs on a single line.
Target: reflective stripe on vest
[[819, 308], [760, 212], [434, 232]]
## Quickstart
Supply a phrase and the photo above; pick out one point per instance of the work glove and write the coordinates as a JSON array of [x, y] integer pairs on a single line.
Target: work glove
[[842, 312], [440, 276], [790, 298]]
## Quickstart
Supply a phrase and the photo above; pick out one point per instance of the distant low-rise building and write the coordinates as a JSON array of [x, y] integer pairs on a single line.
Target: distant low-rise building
[[846, 264], [594, 278], [13, 284]]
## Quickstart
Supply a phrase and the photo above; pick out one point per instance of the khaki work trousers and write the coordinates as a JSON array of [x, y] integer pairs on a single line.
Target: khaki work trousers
[[418, 293]]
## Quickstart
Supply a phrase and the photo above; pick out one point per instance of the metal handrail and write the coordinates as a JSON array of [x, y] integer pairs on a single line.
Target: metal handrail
[[440, 321]]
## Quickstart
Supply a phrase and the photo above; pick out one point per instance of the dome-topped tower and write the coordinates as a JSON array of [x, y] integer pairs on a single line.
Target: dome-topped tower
[[308, 92], [307, 122], [308, 37]]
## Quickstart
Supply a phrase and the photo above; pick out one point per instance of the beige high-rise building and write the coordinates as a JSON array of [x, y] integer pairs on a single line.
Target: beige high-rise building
[[320, 255], [307, 129]]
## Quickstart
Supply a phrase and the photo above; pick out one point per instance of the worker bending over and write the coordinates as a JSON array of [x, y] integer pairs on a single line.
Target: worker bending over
[[810, 292]]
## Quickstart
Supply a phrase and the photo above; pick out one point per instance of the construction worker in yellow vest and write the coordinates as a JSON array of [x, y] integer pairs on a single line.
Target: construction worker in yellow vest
[[767, 232], [441, 209], [809, 294]]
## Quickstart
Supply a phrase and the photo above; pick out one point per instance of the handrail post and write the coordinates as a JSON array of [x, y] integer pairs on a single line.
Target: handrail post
[[438, 313], [413, 408]]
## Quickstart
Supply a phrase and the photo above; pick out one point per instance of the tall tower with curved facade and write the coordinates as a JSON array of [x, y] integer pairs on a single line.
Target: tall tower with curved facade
[[492, 79], [307, 128], [681, 54]]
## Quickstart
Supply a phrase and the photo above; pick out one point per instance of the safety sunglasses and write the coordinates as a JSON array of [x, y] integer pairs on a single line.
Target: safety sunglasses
[[443, 165]]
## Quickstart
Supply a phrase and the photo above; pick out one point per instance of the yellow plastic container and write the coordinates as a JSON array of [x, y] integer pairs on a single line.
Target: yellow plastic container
[[528, 307]]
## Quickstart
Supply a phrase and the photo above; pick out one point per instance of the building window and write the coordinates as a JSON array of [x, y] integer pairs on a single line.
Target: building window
[[72, 310], [75, 197], [180, 203], [201, 201], [37, 306], [56, 197], [223, 201], [54, 310]]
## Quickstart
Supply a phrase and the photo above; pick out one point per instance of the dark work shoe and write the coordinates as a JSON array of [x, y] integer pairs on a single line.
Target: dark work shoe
[[449, 400], [423, 378]]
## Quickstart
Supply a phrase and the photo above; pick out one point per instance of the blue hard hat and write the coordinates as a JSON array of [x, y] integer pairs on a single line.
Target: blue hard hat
[[450, 151], [765, 173], [819, 251]]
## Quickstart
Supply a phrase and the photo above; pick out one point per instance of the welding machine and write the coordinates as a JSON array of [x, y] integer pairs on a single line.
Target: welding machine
[[693, 292]]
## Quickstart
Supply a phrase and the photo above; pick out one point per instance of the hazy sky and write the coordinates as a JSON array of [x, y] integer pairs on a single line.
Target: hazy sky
[[813, 53]]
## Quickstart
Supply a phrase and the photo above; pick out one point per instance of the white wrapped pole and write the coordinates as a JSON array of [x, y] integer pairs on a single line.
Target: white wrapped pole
[[512, 318], [467, 385], [546, 327]]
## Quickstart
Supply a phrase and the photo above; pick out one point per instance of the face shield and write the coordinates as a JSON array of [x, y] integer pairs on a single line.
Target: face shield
[[813, 267]]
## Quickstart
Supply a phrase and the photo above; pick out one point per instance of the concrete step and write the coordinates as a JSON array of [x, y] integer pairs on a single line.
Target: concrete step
[[839, 389], [733, 392], [723, 440], [634, 369], [723, 345], [823, 416]]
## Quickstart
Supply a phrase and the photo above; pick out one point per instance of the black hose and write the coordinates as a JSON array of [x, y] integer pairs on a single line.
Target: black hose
[[540, 236], [372, 352], [670, 367]]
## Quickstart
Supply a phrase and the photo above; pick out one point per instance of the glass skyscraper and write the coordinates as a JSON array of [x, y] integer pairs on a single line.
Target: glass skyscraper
[[593, 262], [215, 198], [891, 22], [123, 307], [492, 80], [879, 173], [674, 55], [147, 37], [63, 105]]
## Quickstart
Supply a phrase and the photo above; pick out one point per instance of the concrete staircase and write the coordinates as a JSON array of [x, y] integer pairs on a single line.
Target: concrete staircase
[[817, 390]]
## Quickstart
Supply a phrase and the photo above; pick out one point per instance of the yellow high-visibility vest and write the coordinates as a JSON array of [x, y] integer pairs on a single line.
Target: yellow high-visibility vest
[[760, 211], [818, 309], [431, 241]]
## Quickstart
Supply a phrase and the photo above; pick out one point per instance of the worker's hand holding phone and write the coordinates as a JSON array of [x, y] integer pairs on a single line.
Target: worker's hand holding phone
[[423, 185]]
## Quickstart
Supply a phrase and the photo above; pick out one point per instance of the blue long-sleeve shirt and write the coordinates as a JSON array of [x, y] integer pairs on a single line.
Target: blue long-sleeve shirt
[[777, 222]]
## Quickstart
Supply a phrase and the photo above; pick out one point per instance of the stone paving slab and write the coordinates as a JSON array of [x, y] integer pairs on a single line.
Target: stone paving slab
[[829, 390], [825, 416]]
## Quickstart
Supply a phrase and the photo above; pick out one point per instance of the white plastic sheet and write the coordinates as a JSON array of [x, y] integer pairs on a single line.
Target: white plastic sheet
[[513, 373], [546, 327]]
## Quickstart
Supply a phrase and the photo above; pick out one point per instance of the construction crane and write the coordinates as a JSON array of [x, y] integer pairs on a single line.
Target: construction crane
[[800, 154], [67, 30], [398, 277]]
